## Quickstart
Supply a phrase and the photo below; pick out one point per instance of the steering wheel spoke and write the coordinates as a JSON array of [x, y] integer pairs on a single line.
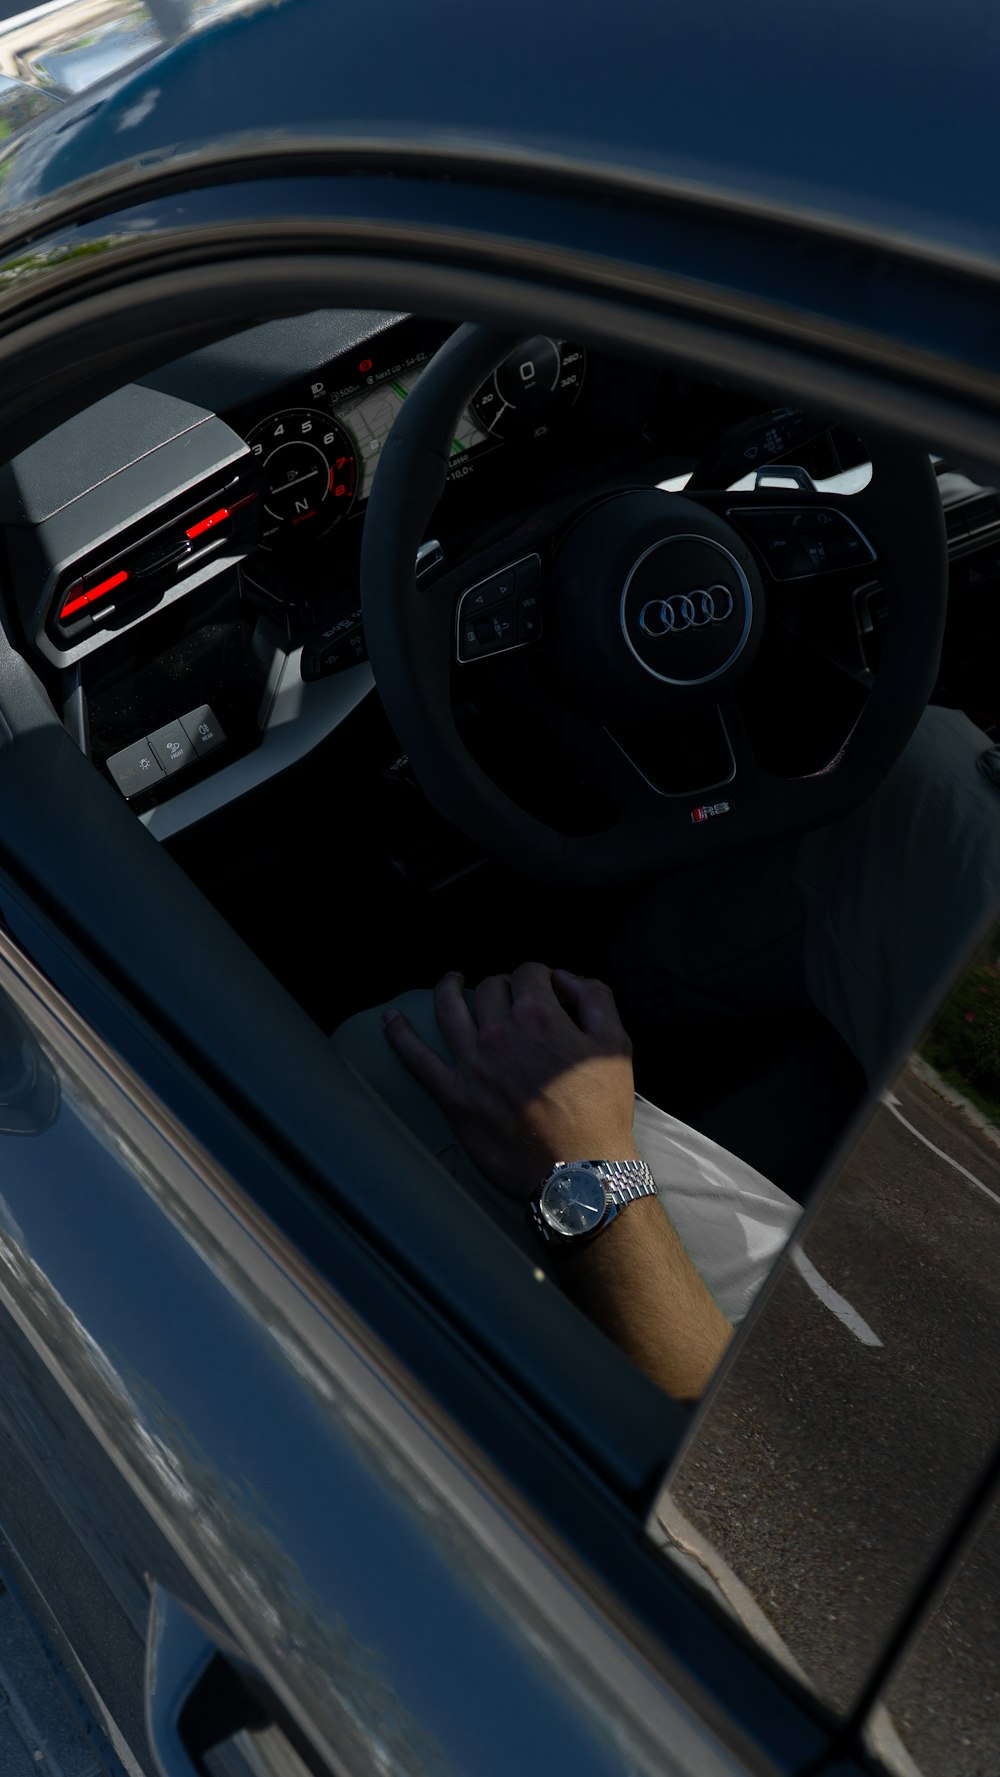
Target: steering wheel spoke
[[817, 552], [684, 758]]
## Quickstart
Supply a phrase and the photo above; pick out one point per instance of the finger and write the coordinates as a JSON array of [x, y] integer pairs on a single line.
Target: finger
[[455, 1020], [531, 981], [492, 998], [433, 1074], [593, 1005]]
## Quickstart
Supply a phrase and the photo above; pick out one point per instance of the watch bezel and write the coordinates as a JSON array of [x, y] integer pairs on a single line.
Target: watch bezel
[[560, 1177]]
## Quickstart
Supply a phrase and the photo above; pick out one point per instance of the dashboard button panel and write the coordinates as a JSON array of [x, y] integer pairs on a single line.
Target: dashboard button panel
[[169, 749]]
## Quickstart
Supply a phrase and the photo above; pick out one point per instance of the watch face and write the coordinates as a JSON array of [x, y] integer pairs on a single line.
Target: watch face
[[573, 1201]]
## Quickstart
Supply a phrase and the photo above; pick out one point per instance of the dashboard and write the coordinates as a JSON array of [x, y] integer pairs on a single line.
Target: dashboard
[[181, 562], [318, 459]]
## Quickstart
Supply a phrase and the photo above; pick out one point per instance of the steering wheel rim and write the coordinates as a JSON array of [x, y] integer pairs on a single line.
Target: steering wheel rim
[[410, 633]]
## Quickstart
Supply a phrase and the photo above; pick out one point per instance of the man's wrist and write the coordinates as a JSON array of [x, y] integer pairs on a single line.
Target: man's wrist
[[578, 1199], [575, 1152]]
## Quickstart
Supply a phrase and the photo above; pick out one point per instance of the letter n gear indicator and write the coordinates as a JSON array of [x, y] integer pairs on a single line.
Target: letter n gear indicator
[[309, 471]]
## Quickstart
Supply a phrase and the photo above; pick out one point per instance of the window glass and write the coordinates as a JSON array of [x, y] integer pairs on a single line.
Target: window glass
[[941, 1713], [844, 1438]]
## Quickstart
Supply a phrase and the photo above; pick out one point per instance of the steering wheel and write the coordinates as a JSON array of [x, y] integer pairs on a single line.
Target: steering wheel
[[646, 611]]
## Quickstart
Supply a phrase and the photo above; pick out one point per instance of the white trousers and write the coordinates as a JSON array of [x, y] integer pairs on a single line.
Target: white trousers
[[893, 896], [732, 1221]]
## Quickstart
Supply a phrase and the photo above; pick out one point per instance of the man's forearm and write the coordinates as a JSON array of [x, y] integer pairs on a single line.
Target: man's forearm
[[638, 1283]]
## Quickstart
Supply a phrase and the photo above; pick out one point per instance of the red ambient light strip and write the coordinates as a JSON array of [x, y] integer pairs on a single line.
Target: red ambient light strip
[[196, 530], [214, 518], [207, 524], [96, 592]]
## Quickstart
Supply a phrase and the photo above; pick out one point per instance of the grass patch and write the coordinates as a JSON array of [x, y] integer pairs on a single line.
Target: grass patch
[[963, 1043]]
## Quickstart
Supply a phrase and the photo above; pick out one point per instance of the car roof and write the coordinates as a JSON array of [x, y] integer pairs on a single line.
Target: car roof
[[881, 117]]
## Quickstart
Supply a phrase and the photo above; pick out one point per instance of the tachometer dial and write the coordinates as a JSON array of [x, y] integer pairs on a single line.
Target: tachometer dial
[[310, 471], [530, 391]]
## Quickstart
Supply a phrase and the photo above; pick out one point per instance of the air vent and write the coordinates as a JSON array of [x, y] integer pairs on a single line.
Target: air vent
[[154, 561]]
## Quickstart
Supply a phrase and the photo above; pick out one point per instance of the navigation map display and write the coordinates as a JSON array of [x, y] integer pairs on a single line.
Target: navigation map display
[[369, 416]]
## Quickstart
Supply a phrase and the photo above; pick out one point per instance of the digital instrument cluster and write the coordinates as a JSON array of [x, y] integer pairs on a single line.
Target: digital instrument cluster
[[317, 460]]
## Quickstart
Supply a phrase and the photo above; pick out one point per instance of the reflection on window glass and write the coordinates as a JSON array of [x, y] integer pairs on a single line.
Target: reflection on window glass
[[265, 1753], [941, 1713], [845, 1438], [963, 1043]]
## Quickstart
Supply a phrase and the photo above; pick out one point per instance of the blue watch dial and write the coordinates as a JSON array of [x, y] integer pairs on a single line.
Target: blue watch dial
[[573, 1201]]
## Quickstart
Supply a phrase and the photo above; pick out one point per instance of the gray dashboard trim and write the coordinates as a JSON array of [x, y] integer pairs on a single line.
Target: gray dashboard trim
[[301, 715], [260, 361]]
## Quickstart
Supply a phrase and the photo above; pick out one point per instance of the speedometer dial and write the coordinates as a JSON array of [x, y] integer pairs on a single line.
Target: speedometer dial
[[531, 390], [310, 472]]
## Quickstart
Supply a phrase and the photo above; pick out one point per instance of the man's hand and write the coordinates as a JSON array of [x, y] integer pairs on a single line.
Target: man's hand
[[543, 1072]]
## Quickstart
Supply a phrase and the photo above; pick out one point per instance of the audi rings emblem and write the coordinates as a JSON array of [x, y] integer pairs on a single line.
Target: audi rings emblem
[[686, 638], [686, 610]]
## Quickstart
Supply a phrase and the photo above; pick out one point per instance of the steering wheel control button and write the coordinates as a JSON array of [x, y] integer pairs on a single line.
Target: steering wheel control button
[[776, 541], [796, 541], [135, 768], [203, 730], [686, 610], [501, 612], [496, 630], [488, 635], [529, 617], [830, 540], [494, 591], [172, 748]]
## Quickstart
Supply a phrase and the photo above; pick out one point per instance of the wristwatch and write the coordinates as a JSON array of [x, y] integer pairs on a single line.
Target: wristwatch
[[580, 1197]]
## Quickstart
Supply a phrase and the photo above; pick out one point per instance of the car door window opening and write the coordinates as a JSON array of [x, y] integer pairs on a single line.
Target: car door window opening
[[545, 743]]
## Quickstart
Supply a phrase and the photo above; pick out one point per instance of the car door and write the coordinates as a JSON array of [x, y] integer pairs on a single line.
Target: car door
[[313, 1554], [353, 1478]]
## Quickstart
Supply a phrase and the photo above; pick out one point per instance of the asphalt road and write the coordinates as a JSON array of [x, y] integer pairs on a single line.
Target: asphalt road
[[854, 1422]]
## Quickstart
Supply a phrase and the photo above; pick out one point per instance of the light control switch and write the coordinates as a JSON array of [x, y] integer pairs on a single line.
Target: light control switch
[[134, 767], [172, 747], [202, 729]]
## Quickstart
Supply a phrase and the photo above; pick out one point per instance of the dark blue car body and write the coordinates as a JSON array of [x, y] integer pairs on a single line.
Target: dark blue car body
[[284, 1460]]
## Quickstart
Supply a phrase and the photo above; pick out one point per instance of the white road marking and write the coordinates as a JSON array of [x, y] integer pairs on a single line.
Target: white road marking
[[891, 1103], [837, 1304]]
